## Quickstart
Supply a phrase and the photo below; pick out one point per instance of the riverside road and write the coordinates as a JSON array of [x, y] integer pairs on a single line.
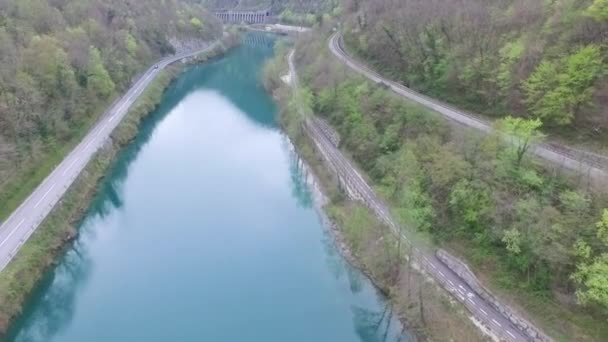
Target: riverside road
[[17, 229], [357, 188]]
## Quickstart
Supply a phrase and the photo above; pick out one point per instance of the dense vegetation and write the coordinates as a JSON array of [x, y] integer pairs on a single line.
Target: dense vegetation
[[64, 61], [532, 230], [530, 58]]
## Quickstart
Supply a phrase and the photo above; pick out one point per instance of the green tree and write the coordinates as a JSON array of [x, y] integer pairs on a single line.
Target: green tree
[[130, 44], [521, 134], [592, 273], [197, 24], [598, 10], [99, 80], [471, 203], [513, 240], [556, 91]]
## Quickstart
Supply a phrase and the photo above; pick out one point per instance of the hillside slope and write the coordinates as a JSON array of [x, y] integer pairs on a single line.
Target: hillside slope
[[541, 59], [534, 234]]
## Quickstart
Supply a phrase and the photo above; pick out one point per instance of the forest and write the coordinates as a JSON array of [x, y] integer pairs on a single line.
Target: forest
[[62, 62], [525, 58], [533, 232]]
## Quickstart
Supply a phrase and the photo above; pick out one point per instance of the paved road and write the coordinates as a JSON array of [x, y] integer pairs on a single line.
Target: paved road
[[572, 159], [358, 189], [15, 231]]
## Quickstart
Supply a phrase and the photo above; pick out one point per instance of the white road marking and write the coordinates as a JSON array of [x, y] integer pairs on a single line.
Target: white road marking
[[69, 167], [44, 196], [433, 266], [462, 287], [472, 301], [496, 322], [112, 118], [511, 334], [443, 275], [11, 233], [483, 312], [449, 281]]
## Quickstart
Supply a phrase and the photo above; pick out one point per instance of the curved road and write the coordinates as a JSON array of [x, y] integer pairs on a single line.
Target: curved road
[[544, 151], [15, 231], [358, 189]]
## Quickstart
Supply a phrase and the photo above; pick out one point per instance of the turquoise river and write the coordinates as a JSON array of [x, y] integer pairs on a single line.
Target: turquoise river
[[204, 230]]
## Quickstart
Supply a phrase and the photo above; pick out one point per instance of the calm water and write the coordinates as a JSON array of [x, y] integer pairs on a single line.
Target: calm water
[[204, 231]]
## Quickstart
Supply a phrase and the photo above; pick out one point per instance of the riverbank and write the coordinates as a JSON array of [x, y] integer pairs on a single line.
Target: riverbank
[[366, 242], [19, 279]]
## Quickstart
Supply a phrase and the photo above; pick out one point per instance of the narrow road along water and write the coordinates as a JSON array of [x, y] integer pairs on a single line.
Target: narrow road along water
[[204, 230]]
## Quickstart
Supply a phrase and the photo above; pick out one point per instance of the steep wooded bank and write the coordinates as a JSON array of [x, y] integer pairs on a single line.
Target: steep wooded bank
[[529, 58], [62, 62], [534, 234]]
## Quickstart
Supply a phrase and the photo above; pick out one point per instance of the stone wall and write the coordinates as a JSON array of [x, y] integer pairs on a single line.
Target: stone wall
[[464, 272]]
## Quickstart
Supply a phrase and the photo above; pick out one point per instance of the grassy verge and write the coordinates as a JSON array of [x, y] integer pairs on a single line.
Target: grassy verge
[[20, 277], [424, 308]]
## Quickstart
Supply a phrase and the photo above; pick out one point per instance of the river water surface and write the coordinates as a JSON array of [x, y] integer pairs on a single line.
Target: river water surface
[[204, 230]]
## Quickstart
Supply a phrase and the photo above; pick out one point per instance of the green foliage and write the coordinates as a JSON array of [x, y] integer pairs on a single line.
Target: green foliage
[[98, 78], [602, 228], [131, 44], [304, 19], [594, 278], [598, 10], [592, 273], [357, 226], [512, 240], [471, 203], [556, 91], [509, 55], [522, 134], [197, 24]]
